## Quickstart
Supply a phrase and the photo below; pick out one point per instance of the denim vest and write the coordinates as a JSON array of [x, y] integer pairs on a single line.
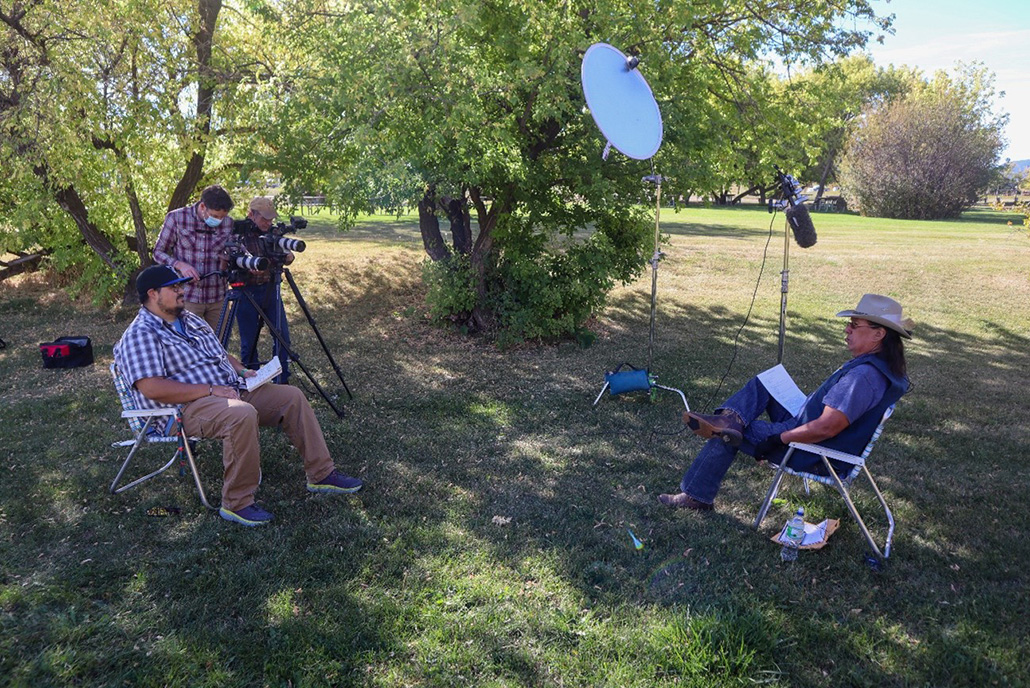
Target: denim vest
[[854, 438]]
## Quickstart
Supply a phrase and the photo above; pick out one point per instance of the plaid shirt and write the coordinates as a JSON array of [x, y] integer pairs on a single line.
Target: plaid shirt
[[185, 237], [151, 347]]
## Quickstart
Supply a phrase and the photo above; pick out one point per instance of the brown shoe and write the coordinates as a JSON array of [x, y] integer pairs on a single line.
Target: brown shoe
[[726, 426], [684, 501]]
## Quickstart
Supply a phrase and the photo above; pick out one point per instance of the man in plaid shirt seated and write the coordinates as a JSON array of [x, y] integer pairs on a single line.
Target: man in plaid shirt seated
[[191, 241], [170, 356]]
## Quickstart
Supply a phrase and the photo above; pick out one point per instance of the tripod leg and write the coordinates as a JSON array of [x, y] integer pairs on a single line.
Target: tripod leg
[[226, 317], [274, 331], [784, 288], [318, 335], [250, 324], [273, 303]]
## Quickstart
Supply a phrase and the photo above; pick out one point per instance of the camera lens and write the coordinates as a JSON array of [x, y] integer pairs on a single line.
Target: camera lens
[[291, 244], [250, 262]]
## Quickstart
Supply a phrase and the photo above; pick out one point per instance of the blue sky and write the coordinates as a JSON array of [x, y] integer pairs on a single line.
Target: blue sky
[[934, 34]]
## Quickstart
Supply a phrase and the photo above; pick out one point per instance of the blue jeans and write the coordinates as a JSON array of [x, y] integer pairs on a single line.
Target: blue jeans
[[250, 325], [703, 478]]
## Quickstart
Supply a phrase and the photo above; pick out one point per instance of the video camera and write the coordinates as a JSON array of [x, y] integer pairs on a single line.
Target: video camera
[[274, 239], [272, 245]]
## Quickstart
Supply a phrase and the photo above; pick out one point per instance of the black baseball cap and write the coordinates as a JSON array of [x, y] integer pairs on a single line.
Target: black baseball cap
[[155, 277]]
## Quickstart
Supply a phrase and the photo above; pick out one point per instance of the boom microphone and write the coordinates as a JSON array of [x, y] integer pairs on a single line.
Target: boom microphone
[[801, 223], [797, 214]]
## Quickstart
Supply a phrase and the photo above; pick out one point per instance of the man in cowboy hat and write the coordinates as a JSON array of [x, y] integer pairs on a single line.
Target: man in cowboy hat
[[842, 414]]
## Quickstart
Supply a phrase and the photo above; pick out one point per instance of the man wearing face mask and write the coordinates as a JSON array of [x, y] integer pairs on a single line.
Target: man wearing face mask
[[191, 242], [261, 285]]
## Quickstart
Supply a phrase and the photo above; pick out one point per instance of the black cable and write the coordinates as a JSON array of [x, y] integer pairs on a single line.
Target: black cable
[[754, 295], [736, 339]]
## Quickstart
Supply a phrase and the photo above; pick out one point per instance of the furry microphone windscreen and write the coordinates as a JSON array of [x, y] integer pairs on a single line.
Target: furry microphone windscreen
[[801, 222]]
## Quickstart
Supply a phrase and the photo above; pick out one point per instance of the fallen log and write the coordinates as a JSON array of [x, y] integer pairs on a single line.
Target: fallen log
[[25, 262]]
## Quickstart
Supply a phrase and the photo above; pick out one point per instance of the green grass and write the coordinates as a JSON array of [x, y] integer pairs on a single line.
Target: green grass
[[489, 547]]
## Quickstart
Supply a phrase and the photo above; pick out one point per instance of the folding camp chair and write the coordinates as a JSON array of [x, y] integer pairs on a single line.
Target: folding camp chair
[[843, 485], [153, 426]]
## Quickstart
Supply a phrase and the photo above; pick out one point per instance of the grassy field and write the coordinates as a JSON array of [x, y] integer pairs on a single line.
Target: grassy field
[[490, 545]]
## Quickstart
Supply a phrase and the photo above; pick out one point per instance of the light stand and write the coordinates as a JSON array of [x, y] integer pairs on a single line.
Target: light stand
[[655, 258], [625, 110]]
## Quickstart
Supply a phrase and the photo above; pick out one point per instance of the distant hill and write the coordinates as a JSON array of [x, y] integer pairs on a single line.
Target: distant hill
[[1018, 167]]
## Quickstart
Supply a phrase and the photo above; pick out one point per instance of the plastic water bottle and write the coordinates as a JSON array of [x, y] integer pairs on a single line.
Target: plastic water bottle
[[794, 534]]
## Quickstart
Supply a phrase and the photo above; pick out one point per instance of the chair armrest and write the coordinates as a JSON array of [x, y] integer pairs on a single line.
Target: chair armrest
[[829, 453], [149, 413]]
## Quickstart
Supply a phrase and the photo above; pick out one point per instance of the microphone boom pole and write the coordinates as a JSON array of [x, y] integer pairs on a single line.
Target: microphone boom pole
[[784, 288], [798, 220]]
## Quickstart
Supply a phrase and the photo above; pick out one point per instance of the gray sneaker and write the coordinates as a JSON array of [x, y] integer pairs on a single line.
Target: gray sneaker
[[249, 516], [337, 483]]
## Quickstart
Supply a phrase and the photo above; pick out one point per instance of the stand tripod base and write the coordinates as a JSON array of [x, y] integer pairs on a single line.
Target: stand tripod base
[[620, 381]]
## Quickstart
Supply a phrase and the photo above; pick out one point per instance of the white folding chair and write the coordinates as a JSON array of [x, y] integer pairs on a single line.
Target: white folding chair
[[153, 426], [842, 485]]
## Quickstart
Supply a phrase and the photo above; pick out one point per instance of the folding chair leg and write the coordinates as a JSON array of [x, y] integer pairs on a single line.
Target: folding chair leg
[[886, 510], [140, 439], [854, 511], [771, 495], [185, 450]]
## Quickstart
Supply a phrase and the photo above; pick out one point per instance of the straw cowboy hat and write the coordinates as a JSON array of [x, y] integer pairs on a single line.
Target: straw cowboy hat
[[881, 310]]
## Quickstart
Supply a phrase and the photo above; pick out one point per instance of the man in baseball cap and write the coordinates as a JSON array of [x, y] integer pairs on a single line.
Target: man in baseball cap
[[170, 357], [156, 277]]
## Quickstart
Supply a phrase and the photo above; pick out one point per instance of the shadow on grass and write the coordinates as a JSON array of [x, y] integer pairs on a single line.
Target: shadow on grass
[[491, 541], [571, 479]]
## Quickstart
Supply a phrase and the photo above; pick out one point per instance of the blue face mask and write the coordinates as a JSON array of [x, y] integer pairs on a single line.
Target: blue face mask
[[212, 221]]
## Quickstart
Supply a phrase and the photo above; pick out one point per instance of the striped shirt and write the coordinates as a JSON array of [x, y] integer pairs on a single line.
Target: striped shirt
[[185, 237], [151, 347]]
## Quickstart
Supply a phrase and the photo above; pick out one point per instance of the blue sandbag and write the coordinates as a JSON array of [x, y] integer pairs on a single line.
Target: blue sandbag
[[627, 381]]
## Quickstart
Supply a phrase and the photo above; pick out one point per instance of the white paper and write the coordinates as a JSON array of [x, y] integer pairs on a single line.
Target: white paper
[[814, 533], [783, 388], [264, 374]]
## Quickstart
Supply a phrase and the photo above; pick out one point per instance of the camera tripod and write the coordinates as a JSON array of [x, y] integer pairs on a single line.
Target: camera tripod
[[279, 345]]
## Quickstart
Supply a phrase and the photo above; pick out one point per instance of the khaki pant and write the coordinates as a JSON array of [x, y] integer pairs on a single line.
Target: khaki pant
[[236, 421], [208, 311]]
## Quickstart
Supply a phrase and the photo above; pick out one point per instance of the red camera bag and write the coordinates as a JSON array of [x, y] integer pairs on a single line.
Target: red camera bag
[[67, 352]]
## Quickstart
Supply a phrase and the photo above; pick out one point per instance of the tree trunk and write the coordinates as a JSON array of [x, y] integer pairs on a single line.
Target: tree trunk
[[482, 317], [23, 263], [830, 155], [461, 223], [187, 182], [69, 200], [142, 244], [429, 227], [747, 192], [202, 41]]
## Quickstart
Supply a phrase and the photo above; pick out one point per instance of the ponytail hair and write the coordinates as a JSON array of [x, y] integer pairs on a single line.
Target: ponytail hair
[[892, 351]]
